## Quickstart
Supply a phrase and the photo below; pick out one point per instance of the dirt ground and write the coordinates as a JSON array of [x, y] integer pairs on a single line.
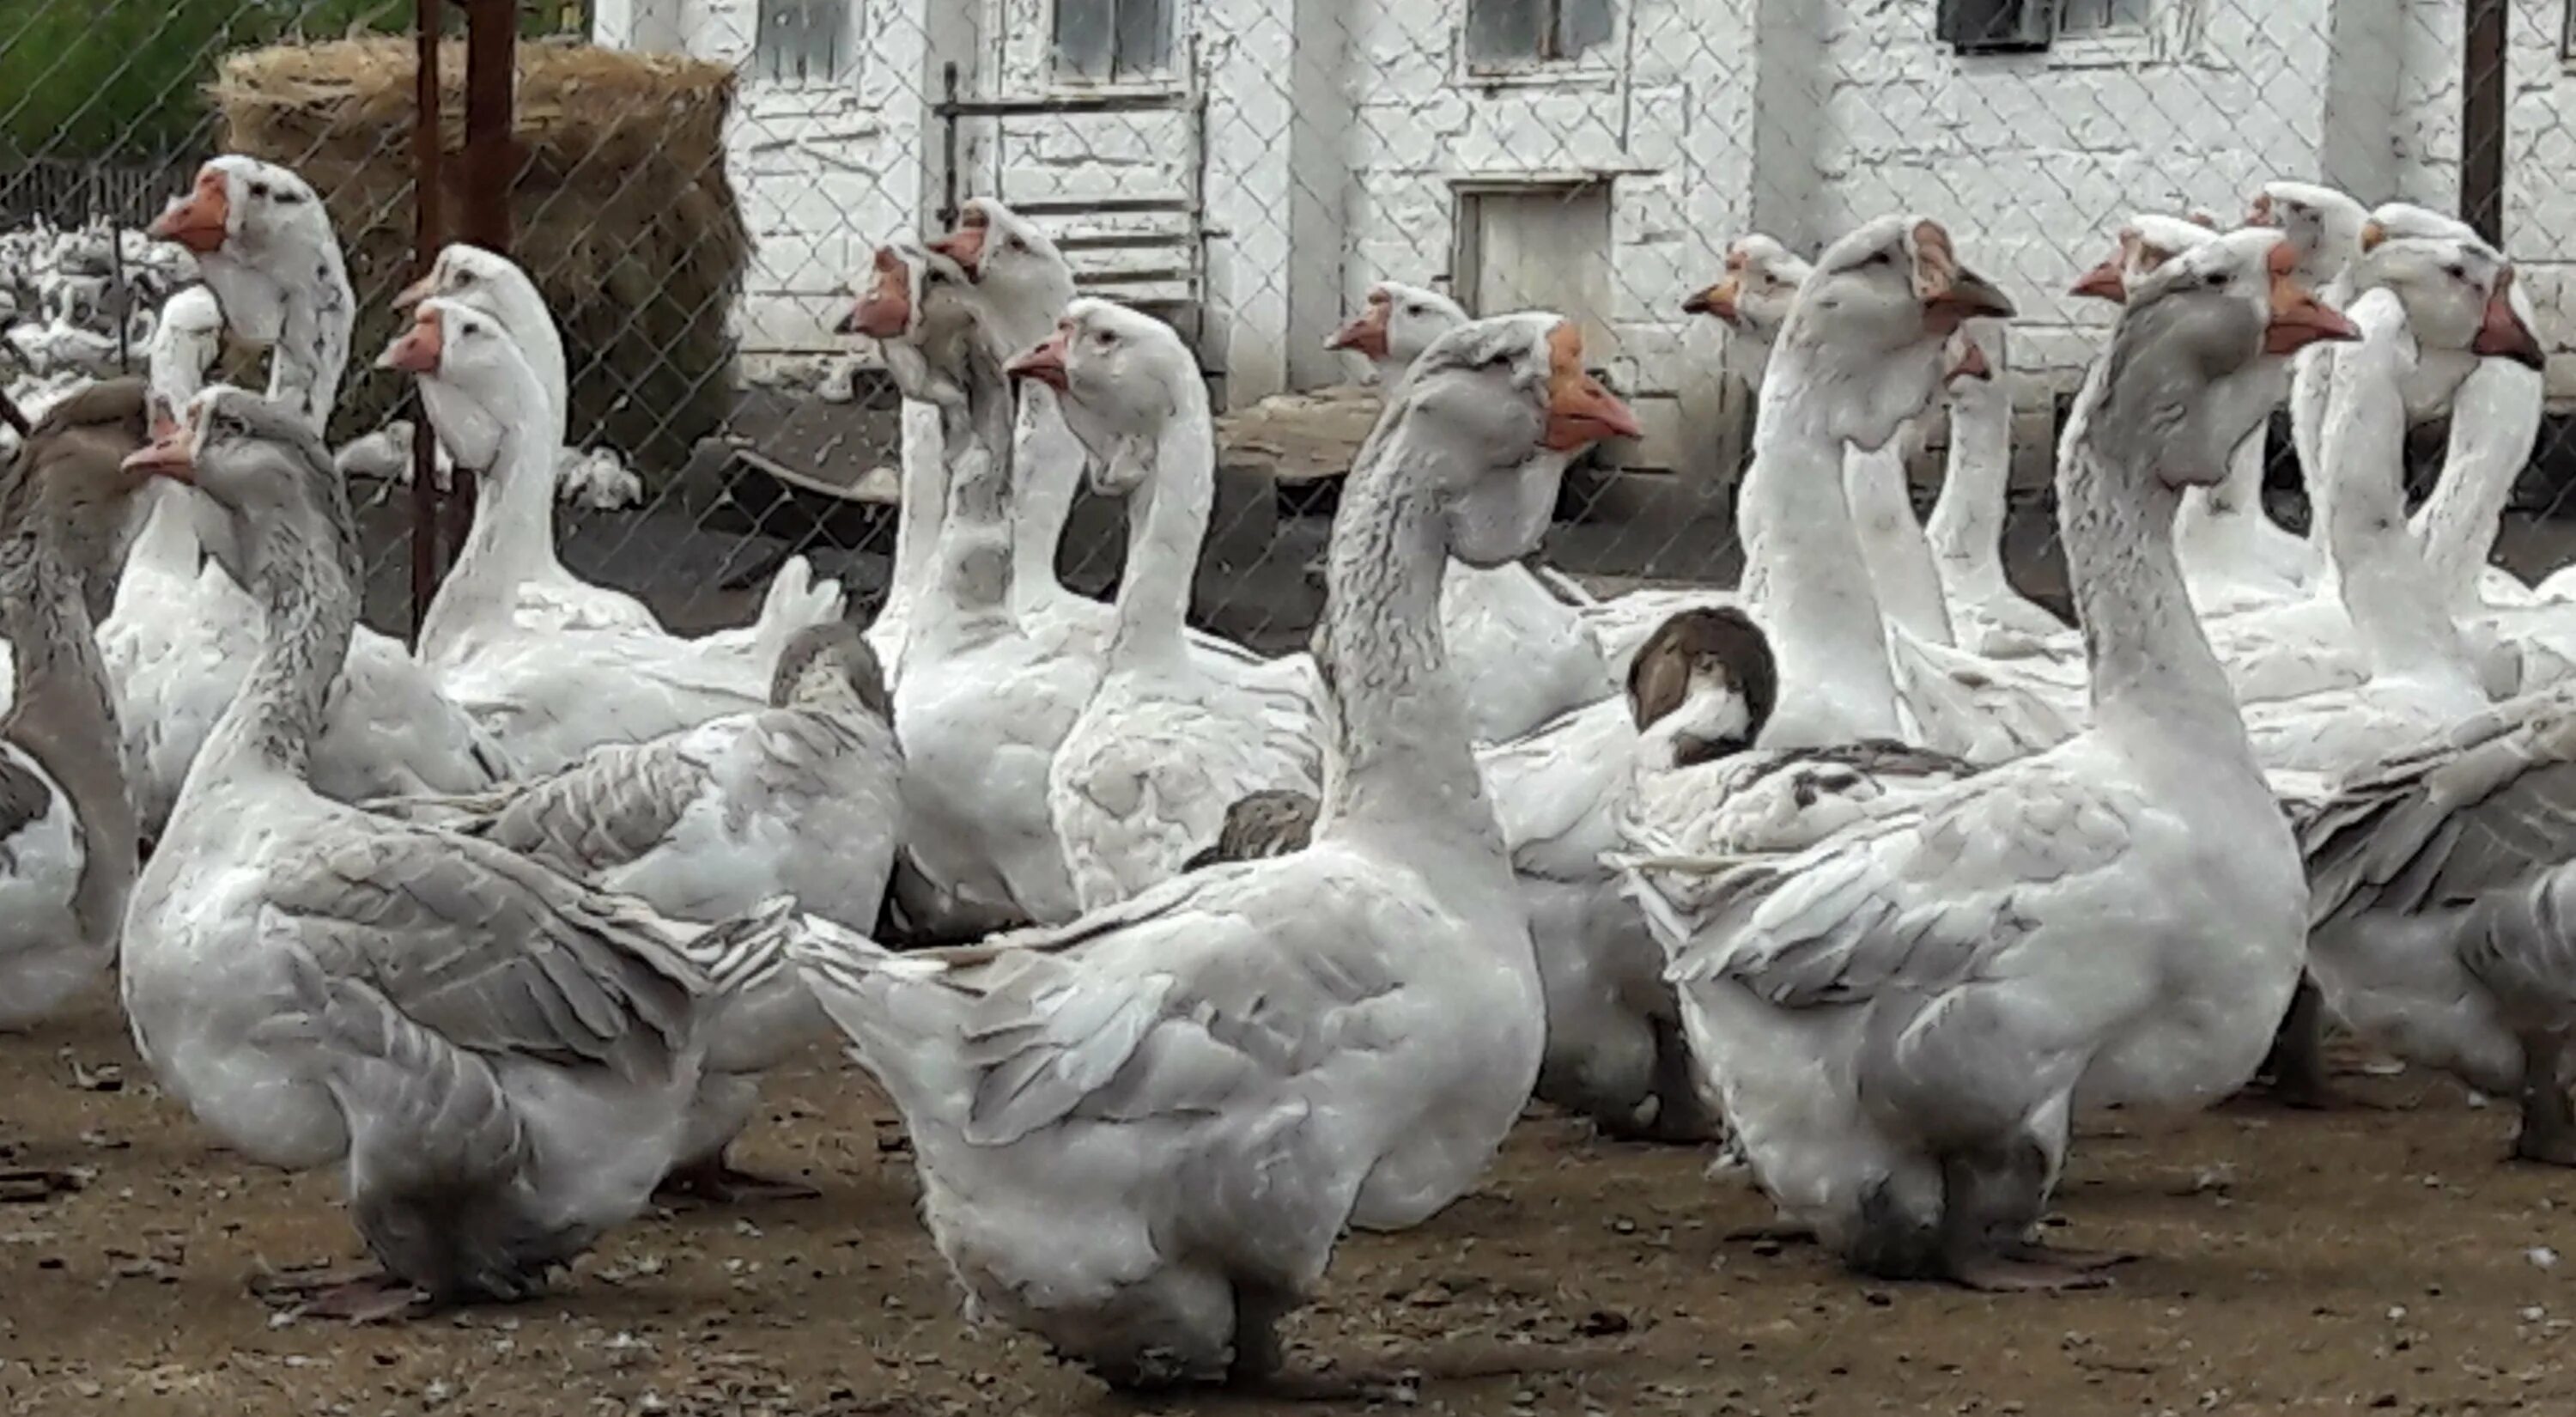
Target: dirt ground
[[2359, 1261]]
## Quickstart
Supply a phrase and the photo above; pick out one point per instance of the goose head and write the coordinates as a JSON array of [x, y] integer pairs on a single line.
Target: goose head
[[2146, 241], [2458, 294], [184, 346], [1395, 324], [1871, 324], [71, 473], [1753, 298], [2321, 225], [258, 460], [2194, 329], [1011, 264], [1121, 376], [2405, 220], [828, 663], [257, 230], [1702, 685], [474, 379], [1497, 392], [484, 280]]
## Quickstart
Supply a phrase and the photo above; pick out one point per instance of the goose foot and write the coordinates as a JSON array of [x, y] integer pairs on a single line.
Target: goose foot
[[352, 1296], [715, 1182], [34, 1185], [2035, 1252], [1778, 1232], [1990, 1271], [1259, 1356]]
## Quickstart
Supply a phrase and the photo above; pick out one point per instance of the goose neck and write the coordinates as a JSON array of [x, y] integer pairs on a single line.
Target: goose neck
[[921, 509], [312, 350], [1902, 572], [1967, 524], [63, 714], [1051, 462], [303, 576], [1399, 767], [2495, 420], [1167, 518], [2379, 568], [975, 558], [1804, 575], [2154, 676], [511, 541]]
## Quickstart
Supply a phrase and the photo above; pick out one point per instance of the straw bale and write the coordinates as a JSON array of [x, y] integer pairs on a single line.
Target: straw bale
[[623, 213]]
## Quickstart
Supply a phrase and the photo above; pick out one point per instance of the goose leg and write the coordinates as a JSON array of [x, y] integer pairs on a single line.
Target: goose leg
[[2297, 1063], [360, 1296], [1681, 1117], [1258, 1354], [2548, 1119]]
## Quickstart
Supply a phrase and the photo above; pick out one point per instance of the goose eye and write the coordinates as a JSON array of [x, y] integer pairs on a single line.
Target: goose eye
[[464, 278], [1017, 244], [2457, 271], [259, 189], [1414, 310], [2214, 279]]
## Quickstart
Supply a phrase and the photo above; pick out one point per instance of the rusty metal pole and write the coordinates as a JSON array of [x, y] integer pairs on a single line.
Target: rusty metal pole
[[491, 166], [426, 563], [2483, 87]]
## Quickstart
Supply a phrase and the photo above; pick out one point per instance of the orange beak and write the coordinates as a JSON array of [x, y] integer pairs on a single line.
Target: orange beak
[[166, 455], [2372, 234], [1579, 411], [2103, 282], [1718, 301], [418, 348], [1971, 364], [2298, 320], [965, 245], [2502, 332], [2261, 213], [887, 308], [1951, 293], [1365, 332], [1044, 363], [417, 291], [197, 221]]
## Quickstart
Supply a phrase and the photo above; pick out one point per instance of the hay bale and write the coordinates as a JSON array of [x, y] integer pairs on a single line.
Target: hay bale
[[623, 213]]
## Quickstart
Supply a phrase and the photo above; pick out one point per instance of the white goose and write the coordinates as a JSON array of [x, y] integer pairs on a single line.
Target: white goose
[[1898, 1020], [1169, 738], [1523, 649], [983, 702], [1023, 283], [801, 799], [549, 694], [503, 1059], [67, 826], [266, 249], [894, 274], [1338, 1037]]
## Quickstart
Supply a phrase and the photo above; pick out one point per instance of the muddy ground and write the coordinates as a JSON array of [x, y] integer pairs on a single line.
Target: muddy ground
[[2297, 1262]]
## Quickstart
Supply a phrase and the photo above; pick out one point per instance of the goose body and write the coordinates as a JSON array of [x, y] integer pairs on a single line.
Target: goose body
[[1336, 1037], [1900, 1019]]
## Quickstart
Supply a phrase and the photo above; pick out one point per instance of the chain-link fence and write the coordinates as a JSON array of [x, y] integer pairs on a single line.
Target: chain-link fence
[[1247, 170]]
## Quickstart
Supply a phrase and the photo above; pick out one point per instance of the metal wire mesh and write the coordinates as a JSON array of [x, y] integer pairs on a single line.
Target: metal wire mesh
[[1247, 170]]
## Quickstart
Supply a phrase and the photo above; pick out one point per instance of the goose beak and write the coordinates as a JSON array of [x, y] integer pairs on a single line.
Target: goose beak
[[1718, 301], [1044, 363], [2261, 212], [2502, 332], [2298, 318], [416, 292], [1971, 364], [1951, 294], [1363, 333], [167, 455], [199, 220], [877, 317], [418, 348], [965, 245], [2103, 282], [1579, 411], [2373, 234]]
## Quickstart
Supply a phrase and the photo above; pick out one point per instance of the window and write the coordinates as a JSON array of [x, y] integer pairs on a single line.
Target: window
[[2567, 33], [1113, 41], [803, 41], [1508, 32], [2018, 26]]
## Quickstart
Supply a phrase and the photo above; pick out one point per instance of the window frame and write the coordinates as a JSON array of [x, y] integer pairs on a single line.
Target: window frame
[[770, 67], [1158, 75], [1600, 60]]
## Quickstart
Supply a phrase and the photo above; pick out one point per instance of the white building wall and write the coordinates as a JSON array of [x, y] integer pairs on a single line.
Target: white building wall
[[823, 170]]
